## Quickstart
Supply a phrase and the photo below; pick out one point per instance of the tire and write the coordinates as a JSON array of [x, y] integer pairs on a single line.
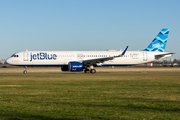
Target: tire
[[93, 71], [25, 71], [86, 70]]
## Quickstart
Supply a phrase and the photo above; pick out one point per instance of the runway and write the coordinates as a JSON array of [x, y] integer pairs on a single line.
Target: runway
[[100, 71], [124, 73]]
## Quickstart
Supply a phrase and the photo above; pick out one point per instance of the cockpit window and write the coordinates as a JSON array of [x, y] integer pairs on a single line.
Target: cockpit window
[[15, 56]]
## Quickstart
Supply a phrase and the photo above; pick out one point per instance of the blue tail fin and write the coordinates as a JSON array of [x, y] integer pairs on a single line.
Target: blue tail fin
[[159, 42]]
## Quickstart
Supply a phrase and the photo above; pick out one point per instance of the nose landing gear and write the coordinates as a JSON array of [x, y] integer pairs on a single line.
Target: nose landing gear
[[25, 71]]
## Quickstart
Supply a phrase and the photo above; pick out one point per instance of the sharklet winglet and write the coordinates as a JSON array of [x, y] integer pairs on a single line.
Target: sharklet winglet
[[122, 52]]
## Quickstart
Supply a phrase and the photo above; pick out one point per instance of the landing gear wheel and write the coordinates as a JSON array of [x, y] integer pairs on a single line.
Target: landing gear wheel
[[86, 70], [25, 71], [93, 71]]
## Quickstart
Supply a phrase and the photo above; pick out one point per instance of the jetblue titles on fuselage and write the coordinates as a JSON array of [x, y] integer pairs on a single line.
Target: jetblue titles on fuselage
[[42, 56]]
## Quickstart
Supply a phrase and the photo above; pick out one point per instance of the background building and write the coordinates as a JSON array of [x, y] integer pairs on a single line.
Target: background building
[[2, 61]]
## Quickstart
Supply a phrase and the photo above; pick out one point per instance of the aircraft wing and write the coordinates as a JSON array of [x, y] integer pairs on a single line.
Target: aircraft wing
[[101, 60]]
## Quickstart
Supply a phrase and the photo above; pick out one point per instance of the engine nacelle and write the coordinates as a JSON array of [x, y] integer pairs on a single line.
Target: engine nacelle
[[75, 66], [65, 68]]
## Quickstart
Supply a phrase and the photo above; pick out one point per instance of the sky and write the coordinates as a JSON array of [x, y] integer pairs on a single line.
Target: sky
[[86, 25]]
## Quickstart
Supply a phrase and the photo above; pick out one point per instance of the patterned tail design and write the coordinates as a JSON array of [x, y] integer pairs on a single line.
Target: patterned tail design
[[159, 42]]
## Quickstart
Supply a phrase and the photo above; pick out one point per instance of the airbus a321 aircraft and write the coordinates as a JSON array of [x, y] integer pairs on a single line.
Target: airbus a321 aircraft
[[87, 60]]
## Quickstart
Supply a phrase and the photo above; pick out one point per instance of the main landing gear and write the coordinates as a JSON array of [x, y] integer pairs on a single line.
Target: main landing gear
[[92, 70], [25, 71]]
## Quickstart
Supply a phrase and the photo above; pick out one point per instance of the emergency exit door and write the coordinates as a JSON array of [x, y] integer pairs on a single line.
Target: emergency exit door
[[145, 57], [25, 56]]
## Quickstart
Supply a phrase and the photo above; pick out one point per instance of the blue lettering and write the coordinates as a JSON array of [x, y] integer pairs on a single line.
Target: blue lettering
[[45, 55], [38, 56], [50, 57], [31, 57], [42, 56], [54, 56], [34, 56]]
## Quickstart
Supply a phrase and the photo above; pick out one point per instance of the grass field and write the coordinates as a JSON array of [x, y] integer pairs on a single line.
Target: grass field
[[91, 96]]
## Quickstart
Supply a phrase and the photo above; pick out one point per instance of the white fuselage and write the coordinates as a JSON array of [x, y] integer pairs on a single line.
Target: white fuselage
[[60, 58]]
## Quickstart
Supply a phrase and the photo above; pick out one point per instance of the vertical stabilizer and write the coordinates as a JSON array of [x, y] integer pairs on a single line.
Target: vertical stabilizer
[[159, 42]]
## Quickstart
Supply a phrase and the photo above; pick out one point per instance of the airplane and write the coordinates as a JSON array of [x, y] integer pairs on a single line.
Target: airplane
[[76, 61]]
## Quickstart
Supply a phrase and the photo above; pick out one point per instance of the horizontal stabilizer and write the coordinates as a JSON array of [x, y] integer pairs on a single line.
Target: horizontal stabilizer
[[163, 56]]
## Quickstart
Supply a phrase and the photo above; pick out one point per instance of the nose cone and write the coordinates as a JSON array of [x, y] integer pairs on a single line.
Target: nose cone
[[8, 60]]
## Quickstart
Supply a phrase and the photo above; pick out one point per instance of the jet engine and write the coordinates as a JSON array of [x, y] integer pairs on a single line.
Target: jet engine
[[73, 67]]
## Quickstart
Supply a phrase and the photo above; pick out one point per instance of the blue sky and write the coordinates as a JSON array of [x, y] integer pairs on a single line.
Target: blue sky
[[62, 25]]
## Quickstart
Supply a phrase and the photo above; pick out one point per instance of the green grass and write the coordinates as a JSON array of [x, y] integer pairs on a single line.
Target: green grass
[[110, 97]]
